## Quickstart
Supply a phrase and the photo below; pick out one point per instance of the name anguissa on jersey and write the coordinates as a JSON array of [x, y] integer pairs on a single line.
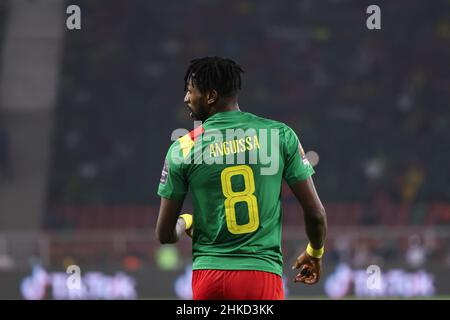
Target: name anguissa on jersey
[[245, 141], [212, 146]]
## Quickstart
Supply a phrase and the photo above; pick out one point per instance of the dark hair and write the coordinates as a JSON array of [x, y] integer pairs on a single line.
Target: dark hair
[[214, 73]]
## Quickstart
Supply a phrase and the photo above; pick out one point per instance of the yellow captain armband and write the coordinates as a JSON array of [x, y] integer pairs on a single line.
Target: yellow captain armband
[[315, 253], [187, 220]]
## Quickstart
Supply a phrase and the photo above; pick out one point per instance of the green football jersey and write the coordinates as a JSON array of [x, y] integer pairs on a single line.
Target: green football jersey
[[234, 165]]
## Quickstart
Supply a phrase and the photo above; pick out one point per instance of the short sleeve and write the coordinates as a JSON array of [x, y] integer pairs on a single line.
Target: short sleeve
[[296, 165], [173, 183]]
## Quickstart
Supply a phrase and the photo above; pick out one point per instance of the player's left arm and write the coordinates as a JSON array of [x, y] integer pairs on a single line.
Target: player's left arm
[[297, 173], [169, 226]]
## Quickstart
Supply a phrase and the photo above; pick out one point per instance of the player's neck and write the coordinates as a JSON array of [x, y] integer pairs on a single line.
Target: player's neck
[[224, 107]]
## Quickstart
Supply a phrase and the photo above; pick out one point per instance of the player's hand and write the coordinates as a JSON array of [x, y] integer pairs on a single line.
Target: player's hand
[[310, 269], [190, 231]]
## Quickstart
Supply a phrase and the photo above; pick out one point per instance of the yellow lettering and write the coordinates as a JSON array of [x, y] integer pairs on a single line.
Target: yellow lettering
[[248, 143], [256, 141], [233, 146], [241, 145], [219, 149], [212, 152], [225, 148]]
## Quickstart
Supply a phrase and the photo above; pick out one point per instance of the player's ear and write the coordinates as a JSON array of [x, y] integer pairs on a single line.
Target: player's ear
[[212, 96]]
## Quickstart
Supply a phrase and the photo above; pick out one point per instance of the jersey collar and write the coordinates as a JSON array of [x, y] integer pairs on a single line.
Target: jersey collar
[[223, 114]]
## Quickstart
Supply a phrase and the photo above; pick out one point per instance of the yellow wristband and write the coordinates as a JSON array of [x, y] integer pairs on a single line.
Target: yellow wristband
[[315, 253], [187, 219]]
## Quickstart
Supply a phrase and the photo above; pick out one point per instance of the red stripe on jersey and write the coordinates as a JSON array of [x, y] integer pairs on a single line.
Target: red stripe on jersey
[[196, 132]]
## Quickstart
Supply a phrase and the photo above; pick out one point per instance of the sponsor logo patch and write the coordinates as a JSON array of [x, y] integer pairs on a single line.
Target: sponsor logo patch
[[165, 172], [303, 155]]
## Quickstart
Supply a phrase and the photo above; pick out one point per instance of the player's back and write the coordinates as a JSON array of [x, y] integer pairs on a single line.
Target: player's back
[[234, 168]]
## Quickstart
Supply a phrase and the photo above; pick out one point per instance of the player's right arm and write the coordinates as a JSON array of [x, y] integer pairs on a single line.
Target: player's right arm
[[172, 188]]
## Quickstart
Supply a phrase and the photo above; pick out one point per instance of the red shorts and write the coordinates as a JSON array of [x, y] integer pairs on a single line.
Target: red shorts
[[236, 285]]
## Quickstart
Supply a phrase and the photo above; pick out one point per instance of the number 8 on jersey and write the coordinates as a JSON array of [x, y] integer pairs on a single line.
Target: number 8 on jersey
[[233, 197]]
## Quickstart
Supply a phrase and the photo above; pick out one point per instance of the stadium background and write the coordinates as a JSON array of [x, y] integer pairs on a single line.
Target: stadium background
[[86, 118]]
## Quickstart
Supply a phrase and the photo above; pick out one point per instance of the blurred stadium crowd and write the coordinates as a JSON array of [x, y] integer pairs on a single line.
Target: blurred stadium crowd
[[372, 104]]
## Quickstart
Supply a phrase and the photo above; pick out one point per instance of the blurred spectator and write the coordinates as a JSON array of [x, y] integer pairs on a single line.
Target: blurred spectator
[[6, 261], [416, 252], [5, 160], [343, 248], [364, 255]]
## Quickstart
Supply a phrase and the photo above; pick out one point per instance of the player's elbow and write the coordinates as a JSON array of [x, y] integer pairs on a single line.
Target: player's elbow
[[165, 240], [317, 215], [162, 237]]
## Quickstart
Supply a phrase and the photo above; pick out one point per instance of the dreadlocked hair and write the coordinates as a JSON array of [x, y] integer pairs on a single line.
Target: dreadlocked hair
[[214, 73]]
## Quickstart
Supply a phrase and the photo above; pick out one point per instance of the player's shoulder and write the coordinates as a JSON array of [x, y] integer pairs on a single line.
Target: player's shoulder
[[182, 146], [271, 124], [188, 138]]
